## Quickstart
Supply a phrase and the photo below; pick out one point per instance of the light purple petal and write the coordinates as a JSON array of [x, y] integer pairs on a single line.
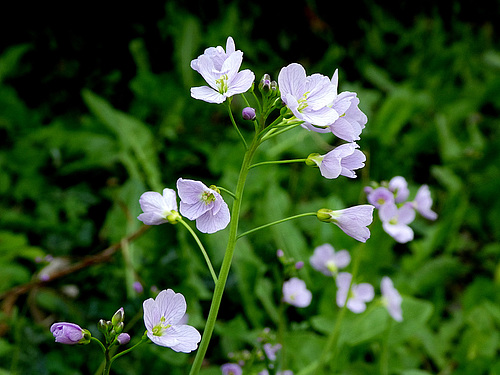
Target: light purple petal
[[400, 232], [187, 338], [210, 222], [207, 94], [423, 203], [388, 210], [330, 166], [190, 191], [152, 218], [241, 83], [353, 221], [152, 315], [321, 117], [163, 340], [352, 162], [342, 258], [392, 299], [172, 306], [364, 292], [230, 46], [295, 293], [406, 214], [345, 130], [291, 80], [399, 186]]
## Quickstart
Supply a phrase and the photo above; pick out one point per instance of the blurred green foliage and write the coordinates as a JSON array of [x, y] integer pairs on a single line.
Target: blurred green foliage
[[74, 160]]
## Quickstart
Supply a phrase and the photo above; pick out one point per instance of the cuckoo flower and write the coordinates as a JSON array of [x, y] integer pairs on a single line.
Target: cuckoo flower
[[353, 220], [356, 297], [203, 204], [379, 196], [391, 299], [216, 54], [162, 317], [327, 261], [231, 369], [221, 72], [158, 209], [351, 121], [399, 187], [423, 203], [307, 96], [70, 333], [395, 221], [342, 160], [296, 293]]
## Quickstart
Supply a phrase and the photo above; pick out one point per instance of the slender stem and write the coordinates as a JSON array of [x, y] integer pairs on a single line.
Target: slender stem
[[236, 126], [226, 191], [277, 162], [98, 342], [384, 356], [278, 132], [276, 222], [144, 338], [200, 245], [226, 263]]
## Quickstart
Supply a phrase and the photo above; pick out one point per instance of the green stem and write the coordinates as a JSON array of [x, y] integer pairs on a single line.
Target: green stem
[[226, 263], [235, 125], [200, 245], [274, 132], [98, 342], [384, 356], [226, 191], [276, 222], [144, 338], [277, 162]]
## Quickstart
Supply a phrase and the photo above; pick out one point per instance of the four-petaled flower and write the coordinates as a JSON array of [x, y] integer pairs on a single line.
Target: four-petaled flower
[[399, 187], [296, 293], [395, 221], [327, 261], [391, 299], [307, 96], [203, 204], [161, 318], [221, 71], [342, 160], [356, 296], [231, 369], [353, 220], [158, 209], [380, 196]]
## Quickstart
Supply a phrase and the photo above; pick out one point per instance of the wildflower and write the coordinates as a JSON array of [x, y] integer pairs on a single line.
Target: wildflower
[[423, 203], [203, 204], [395, 221], [161, 318], [356, 297], [350, 121], [327, 261], [248, 113], [342, 160], [231, 369], [220, 68], [307, 96], [123, 338], [70, 333], [379, 196], [158, 209], [295, 293], [138, 287], [271, 350], [353, 220], [216, 54], [399, 187], [391, 299]]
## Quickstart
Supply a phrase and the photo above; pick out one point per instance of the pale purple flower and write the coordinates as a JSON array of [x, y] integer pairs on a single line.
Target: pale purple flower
[[399, 187], [138, 287], [248, 113], [67, 333], [342, 160], [423, 203], [231, 369], [216, 54], [351, 121], [296, 293], [123, 338], [379, 196], [203, 204], [353, 220], [158, 209], [299, 265], [327, 261], [356, 297], [395, 221], [280, 253], [391, 299], [161, 318], [271, 350], [307, 96], [220, 69]]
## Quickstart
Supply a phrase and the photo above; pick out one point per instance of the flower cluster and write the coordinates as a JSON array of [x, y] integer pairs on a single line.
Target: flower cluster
[[395, 211]]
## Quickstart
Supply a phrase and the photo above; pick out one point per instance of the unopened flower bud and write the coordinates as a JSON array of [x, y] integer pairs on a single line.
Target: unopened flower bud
[[248, 113], [265, 83], [70, 333], [119, 328], [118, 317], [138, 287], [299, 265], [325, 215], [313, 159], [173, 217], [102, 326], [123, 338], [280, 253]]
